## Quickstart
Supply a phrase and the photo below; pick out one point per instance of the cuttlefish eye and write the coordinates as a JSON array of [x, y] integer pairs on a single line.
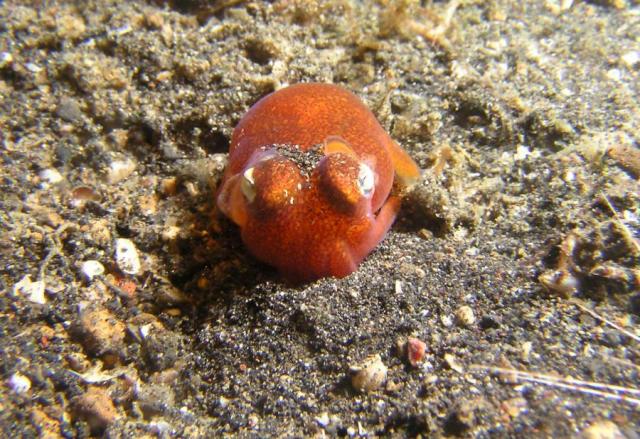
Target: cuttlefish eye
[[248, 185], [345, 181], [271, 184]]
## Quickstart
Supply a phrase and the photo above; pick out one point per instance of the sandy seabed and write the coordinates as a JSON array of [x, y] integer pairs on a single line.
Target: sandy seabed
[[517, 251]]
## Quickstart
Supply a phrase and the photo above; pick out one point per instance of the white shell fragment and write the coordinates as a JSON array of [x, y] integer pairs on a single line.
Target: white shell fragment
[[5, 59], [50, 176], [19, 383], [631, 58], [91, 269], [145, 330], [120, 170], [32, 291], [369, 375], [127, 256]]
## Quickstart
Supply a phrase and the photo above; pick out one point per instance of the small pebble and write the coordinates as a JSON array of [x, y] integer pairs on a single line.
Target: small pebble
[[101, 332], [560, 282], [32, 291], [120, 170], [602, 430], [614, 74], [465, 316], [446, 320], [5, 59], [631, 58], [127, 256], [50, 176], [161, 428], [171, 233], [82, 194], [369, 375], [155, 399], [452, 362], [169, 186], [69, 110], [148, 204], [522, 152], [145, 330], [33, 68], [323, 419], [416, 350], [91, 269], [430, 379], [19, 383]]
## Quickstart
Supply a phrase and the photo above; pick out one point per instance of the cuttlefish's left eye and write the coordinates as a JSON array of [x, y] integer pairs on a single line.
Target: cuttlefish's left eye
[[270, 185], [267, 186], [345, 181]]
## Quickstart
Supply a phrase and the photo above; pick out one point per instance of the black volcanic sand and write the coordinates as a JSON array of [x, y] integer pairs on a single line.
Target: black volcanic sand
[[115, 120]]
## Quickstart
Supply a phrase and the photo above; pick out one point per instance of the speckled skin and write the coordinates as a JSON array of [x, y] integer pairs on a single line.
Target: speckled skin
[[316, 225]]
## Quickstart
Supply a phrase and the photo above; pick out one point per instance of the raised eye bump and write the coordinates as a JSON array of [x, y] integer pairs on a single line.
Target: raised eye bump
[[248, 185], [347, 183], [366, 180]]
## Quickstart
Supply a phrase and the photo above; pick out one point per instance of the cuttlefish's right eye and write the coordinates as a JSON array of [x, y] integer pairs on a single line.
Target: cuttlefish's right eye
[[346, 182]]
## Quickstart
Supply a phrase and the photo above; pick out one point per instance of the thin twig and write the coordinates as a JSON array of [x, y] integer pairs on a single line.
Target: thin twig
[[583, 389], [55, 248], [608, 322], [568, 380], [588, 387], [53, 251]]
